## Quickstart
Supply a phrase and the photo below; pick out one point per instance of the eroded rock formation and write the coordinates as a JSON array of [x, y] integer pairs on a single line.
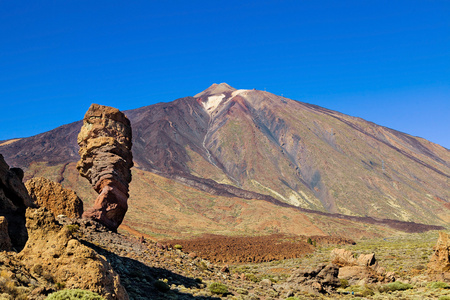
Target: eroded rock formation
[[14, 200], [323, 279], [362, 268], [52, 251], [440, 260], [54, 197], [106, 161]]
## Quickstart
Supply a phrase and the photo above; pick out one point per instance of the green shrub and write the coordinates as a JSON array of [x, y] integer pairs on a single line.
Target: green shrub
[[252, 277], [444, 298], [218, 288], [76, 294], [439, 285], [73, 227], [161, 286], [395, 286], [365, 292], [292, 298], [179, 247], [344, 283]]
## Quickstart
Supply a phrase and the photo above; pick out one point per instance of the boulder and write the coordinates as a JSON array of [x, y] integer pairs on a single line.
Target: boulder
[[14, 200], [106, 161], [440, 260], [323, 279], [51, 251], [342, 257], [366, 260], [365, 267], [54, 197]]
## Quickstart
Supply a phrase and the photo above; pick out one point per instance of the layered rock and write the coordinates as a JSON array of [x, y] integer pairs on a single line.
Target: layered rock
[[106, 161], [14, 200], [440, 260], [54, 197], [52, 251]]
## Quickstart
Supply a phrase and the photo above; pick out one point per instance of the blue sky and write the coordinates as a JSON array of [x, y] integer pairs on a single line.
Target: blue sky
[[385, 61]]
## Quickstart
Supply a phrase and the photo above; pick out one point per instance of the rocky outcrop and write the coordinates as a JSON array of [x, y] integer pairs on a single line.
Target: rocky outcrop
[[52, 251], [106, 161], [362, 268], [440, 260], [5, 241], [14, 200], [323, 279], [54, 197]]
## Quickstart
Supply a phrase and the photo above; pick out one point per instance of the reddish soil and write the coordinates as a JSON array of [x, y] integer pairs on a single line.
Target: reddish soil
[[225, 249]]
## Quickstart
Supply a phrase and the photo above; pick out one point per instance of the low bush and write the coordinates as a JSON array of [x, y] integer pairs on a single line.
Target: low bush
[[73, 228], [361, 290], [395, 286], [439, 285], [344, 283], [75, 294], [218, 288]]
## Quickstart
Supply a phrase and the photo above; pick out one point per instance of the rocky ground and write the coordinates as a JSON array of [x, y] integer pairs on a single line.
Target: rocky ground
[[151, 270]]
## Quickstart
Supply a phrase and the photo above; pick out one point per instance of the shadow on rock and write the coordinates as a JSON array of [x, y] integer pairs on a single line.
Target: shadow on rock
[[140, 280]]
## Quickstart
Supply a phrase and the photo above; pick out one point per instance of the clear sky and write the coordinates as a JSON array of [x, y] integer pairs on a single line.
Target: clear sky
[[385, 61]]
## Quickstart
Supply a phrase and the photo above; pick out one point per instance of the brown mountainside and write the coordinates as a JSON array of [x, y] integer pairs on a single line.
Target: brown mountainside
[[255, 145]]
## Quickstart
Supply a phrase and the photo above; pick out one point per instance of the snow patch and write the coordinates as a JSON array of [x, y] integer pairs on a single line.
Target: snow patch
[[213, 101], [238, 92]]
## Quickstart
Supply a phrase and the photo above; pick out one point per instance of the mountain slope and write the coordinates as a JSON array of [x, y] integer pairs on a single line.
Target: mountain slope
[[253, 144]]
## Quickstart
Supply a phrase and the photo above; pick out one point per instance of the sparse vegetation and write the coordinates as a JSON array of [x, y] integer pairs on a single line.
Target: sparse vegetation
[[439, 285], [75, 294], [10, 287]]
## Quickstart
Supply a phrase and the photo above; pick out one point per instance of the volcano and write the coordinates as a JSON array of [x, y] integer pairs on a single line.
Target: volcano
[[246, 144]]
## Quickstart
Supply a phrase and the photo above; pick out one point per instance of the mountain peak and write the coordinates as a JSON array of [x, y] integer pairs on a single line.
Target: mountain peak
[[216, 89]]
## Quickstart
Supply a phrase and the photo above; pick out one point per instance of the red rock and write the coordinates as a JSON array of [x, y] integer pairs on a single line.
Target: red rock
[[106, 161]]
